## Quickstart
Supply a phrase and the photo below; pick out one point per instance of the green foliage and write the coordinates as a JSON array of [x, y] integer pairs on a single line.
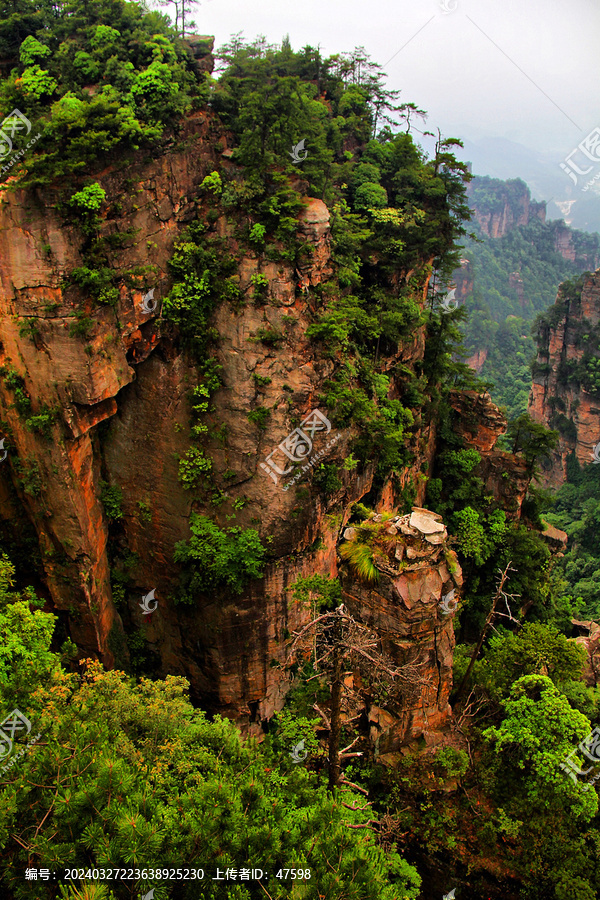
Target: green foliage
[[531, 439], [193, 468], [16, 383], [200, 270], [577, 511], [37, 83], [96, 282], [260, 284], [257, 234], [146, 777], [31, 51], [82, 326], [43, 422], [321, 593], [217, 558], [370, 196], [141, 74], [259, 416], [30, 476], [327, 479], [359, 554], [269, 336], [111, 497], [145, 512], [536, 649], [212, 183], [478, 536], [293, 730], [25, 657], [89, 199], [542, 804]]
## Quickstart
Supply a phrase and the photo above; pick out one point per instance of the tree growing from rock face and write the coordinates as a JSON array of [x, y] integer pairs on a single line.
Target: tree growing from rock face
[[341, 646], [531, 439], [183, 10]]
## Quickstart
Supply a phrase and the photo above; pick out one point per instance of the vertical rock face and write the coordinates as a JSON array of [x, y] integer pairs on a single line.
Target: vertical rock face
[[511, 206], [480, 423], [559, 398], [118, 385], [411, 606]]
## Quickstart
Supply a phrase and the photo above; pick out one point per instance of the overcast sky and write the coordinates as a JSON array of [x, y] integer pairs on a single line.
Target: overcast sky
[[526, 70]]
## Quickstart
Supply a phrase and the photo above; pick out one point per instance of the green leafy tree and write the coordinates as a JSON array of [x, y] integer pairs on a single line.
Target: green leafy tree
[[548, 810], [132, 775], [530, 439], [214, 557]]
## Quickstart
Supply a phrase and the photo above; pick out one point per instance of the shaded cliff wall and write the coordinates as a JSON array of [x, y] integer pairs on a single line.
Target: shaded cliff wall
[[119, 384]]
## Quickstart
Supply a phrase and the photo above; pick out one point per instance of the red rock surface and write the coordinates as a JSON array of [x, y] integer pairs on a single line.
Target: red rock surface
[[552, 393], [122, 396]]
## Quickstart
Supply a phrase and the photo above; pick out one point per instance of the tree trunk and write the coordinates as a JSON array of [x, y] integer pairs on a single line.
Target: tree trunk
[[490, 617], [336, 728]]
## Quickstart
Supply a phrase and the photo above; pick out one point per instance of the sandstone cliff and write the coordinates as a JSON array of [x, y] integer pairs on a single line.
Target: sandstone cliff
[[564, 392], [505, 205], [118, 384]]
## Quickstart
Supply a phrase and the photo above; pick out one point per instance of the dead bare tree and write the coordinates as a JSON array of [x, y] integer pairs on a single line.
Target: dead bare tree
[[343, 646], [500, 595]]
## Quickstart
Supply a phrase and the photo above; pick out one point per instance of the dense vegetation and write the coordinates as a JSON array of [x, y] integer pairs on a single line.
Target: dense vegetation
[[127, 772], [515, 277], [577, 511]]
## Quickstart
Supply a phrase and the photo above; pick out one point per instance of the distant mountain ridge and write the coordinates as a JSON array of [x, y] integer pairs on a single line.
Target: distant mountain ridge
[[504, 159], [510, 275]]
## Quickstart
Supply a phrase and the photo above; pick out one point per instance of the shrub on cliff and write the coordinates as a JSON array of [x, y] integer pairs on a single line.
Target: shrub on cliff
[[217, 558], [142, 78]]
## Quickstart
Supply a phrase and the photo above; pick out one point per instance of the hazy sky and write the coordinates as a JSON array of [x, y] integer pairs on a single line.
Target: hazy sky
[[463, 66]]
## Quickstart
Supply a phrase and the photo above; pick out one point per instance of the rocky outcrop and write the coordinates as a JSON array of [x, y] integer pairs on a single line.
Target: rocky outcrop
[[558, 397], [506, 205], [480, 423], [116, 383], [200, 47], [554, 538], [411, 605], [588, 637]]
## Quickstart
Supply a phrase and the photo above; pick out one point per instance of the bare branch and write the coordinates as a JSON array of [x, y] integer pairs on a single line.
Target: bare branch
[[323, 716], [356, 786], [350, 746]]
